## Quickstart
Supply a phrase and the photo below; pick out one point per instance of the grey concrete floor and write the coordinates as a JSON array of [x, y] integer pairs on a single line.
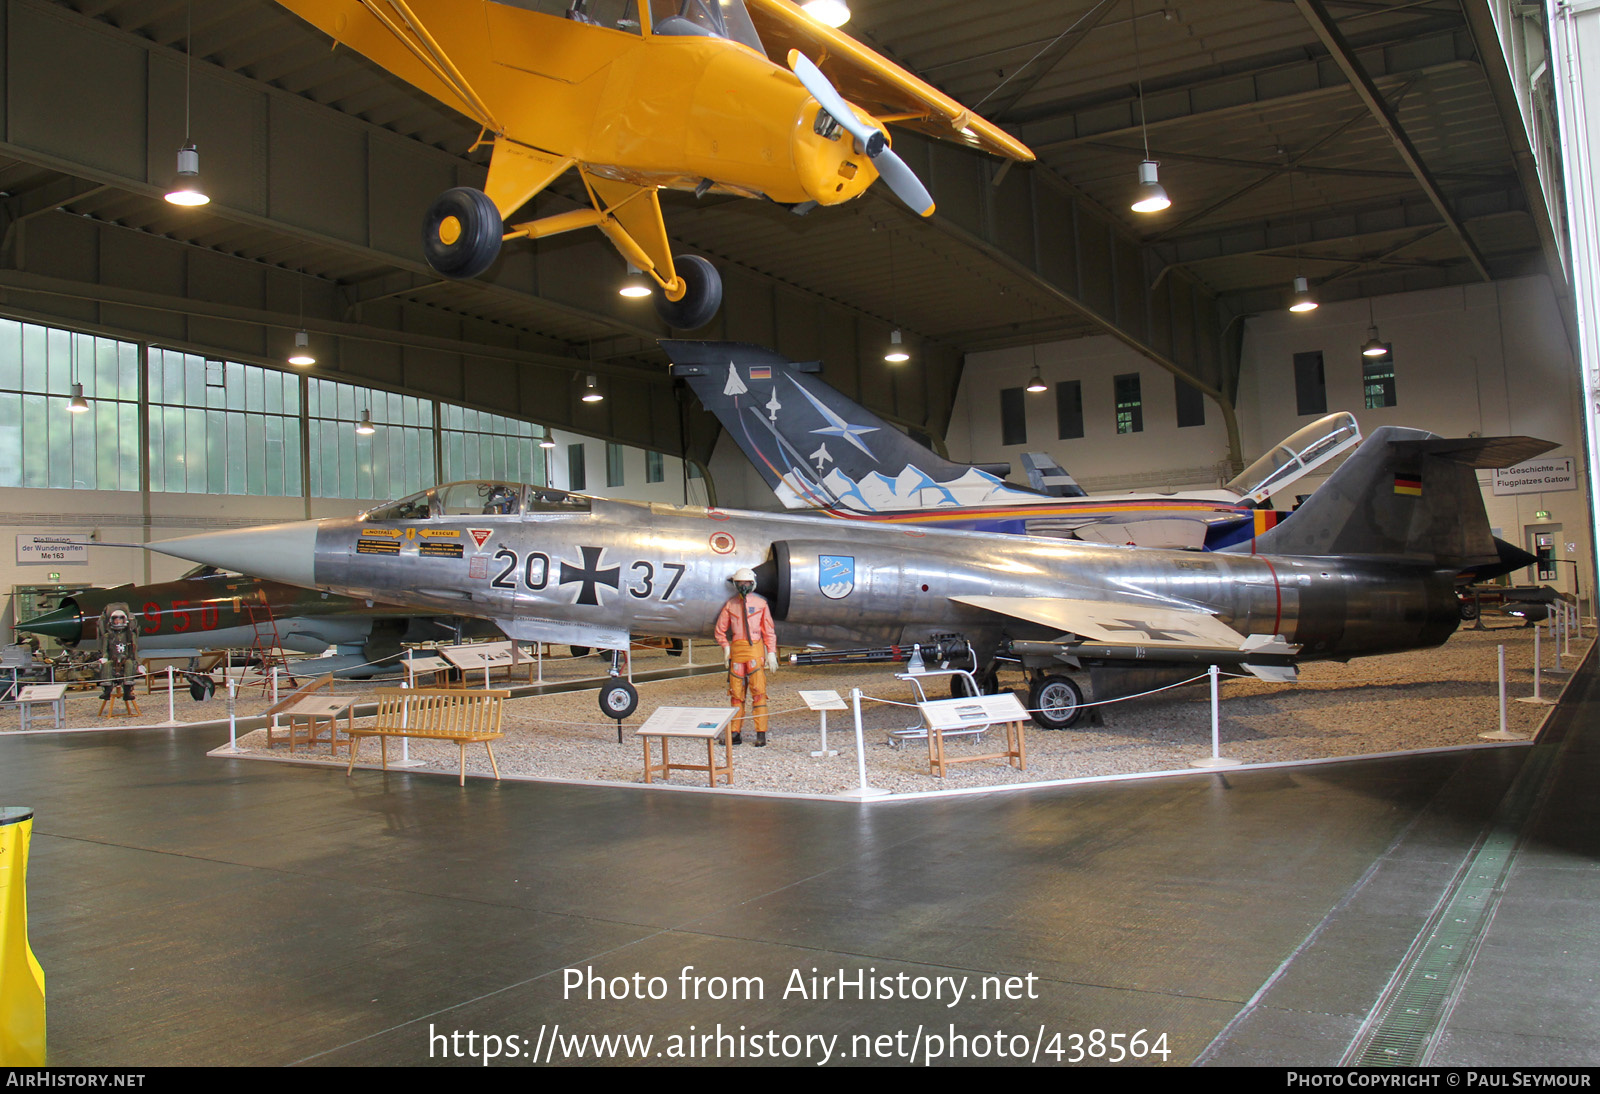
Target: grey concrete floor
[[190, 910]]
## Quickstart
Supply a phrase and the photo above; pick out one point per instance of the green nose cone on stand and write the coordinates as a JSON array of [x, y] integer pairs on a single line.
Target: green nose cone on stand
[[65, 625]]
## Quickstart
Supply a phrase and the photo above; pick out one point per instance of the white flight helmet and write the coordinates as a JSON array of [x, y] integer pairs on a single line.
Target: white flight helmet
[[744, 574]]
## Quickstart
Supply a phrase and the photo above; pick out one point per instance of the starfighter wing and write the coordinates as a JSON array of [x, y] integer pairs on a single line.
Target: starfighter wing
[[1132, 622]]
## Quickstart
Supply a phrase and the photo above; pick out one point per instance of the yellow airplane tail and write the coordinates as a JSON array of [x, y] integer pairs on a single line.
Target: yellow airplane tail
[[21, 978]]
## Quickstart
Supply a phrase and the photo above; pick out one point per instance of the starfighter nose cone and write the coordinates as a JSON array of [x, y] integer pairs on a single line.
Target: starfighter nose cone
[[276, 552], [65, 625]]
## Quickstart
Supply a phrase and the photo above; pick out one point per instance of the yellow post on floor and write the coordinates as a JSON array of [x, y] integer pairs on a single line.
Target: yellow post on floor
[[21, 978]]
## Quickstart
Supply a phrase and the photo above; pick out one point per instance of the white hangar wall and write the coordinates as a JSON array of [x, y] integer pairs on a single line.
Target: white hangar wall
[[1487, 359]]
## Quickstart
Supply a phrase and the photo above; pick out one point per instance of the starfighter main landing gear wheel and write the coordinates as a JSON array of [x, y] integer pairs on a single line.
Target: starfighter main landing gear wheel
[[618, 699], [988, 682], [461, 233], [702, 294], [1057, 702]]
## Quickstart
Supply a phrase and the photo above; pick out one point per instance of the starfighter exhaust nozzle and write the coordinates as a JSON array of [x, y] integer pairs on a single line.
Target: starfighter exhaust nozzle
[[275, 552], [65, 625]]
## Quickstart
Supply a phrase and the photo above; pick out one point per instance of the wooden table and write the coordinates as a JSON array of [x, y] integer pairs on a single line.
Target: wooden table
[[689, 723], [960, 715], [314, 711], [30, 694]]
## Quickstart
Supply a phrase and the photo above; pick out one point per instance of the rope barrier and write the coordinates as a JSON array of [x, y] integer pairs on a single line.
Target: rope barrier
[[1081, 706]]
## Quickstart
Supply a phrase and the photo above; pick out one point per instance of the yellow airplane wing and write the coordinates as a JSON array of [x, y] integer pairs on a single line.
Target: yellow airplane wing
[[880, 87], [396, 34]]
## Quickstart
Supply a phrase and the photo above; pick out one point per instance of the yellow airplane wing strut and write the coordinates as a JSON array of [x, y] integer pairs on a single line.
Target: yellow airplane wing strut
[[400, 20], [629, 215]]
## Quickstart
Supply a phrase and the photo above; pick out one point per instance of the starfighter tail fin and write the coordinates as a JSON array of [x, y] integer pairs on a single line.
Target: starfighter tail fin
[[1404, 493], [1049, 477], [816, 447]]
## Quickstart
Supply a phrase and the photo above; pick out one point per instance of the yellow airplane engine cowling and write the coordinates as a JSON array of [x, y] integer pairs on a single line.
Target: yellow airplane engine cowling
[[831, 171]]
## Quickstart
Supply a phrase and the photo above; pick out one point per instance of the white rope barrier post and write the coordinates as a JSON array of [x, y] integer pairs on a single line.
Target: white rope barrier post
[[274, 685], [1535, 698], [405, 759], [1502, 734], [233, 724], [1555, 645], [862, 790], [538, 655], [1216, 759], [172, 714]]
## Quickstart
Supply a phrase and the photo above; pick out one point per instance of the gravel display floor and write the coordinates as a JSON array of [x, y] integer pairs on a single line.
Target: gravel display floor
[[1426, 699]]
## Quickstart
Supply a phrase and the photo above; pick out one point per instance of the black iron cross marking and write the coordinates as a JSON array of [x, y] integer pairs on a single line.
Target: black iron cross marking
[[1154, 634], [590, 574]]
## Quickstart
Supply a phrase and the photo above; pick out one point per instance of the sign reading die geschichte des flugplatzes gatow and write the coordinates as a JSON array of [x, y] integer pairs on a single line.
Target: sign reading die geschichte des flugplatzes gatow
[[69, 549], [1536, 476]]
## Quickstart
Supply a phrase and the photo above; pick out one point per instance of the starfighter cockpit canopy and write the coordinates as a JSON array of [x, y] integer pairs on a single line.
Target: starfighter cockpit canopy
[[473, 497]]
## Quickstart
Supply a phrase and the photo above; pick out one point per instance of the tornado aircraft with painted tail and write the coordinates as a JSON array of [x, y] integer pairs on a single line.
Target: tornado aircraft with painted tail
[[1367, 566], [819, 450]]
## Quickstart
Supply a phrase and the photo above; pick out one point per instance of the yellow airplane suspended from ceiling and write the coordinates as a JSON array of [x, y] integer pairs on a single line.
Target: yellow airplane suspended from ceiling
[[641, 95]]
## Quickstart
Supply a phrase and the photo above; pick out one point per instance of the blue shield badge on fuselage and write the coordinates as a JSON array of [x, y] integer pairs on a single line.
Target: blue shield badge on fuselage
[[836, 575]]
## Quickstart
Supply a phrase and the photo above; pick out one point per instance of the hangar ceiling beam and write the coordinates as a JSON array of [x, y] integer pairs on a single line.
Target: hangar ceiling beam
[[1316, 14], [1243, 88], [1240, 241], [1042, 63]]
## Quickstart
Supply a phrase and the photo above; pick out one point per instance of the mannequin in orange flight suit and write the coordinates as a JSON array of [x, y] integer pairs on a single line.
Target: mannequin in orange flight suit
[[750, 646]]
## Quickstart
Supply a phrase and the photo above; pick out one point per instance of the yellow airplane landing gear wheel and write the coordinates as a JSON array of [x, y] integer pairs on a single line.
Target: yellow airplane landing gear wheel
[[461, 233], [702, 294]]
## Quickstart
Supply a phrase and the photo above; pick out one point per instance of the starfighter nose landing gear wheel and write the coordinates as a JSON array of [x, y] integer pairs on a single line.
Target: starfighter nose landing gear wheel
[[702, 294], [461, 233], [618, 699], [1057, 702]]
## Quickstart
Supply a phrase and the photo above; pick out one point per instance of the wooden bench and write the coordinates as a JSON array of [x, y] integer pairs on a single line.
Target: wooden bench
[[435, 714]]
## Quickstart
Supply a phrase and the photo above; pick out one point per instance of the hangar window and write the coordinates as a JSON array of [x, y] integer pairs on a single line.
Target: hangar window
[[221, 427], [577, 478], [477, 444], [1013, 416], [1310, 388], [1377, 380], [392, 462], [41, 445], [655, 467], [1191, 403], [1069, 409], [1130, 404], [614, 465]]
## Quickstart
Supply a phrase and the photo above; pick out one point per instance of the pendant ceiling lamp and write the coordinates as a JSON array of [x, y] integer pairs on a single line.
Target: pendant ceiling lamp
[[1150, 197], [186, 189]]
